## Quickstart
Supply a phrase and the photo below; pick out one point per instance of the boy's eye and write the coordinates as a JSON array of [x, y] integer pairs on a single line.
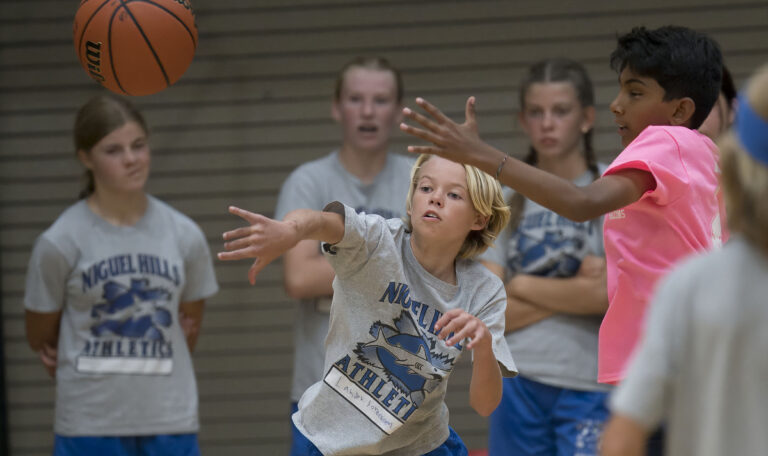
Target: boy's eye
[[454, 195], [113, 150], [425, 188]]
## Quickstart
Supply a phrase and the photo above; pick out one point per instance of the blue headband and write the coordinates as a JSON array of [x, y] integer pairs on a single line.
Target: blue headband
[[752, 131]]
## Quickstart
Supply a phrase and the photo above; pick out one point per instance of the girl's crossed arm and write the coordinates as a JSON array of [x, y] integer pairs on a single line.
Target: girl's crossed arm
[[485, 386], [266, 239]]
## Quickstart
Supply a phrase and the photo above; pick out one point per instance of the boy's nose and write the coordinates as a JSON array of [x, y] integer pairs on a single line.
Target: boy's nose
[[615, 107]]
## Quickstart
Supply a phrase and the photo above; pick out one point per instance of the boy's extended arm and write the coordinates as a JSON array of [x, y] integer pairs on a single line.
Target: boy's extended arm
[[462, 143], [266, 239]]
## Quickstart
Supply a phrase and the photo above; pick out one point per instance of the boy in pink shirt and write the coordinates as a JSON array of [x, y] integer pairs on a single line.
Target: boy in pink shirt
[[660, 194]]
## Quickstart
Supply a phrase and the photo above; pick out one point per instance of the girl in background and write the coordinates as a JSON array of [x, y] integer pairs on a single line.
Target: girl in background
[[114, 300], [554, 273]]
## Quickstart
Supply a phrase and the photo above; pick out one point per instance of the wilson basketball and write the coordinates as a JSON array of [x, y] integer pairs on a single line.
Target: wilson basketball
[[135, 47]]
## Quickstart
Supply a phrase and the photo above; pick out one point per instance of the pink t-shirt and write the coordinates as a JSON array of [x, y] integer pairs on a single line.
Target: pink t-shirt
[[644, 240]]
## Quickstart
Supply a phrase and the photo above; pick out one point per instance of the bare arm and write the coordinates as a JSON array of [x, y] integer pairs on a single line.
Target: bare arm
[[519, 313], [191, 318], [306, 272], [624, 436], [43, 336], [583, 294], [462, 143], [485, 385], [266, 239]]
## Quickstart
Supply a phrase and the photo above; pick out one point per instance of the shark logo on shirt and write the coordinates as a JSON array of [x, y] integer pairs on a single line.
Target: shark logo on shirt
[[405, 357], [136, 311]]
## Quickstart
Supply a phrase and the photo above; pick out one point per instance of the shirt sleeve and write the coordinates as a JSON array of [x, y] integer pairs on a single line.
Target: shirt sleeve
[[47, 275], [647, 387], [492, 314], [363, 234], [656, 151], [198, 267]]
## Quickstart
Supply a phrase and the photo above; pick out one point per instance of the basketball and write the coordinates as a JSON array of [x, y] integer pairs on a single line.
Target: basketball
[[135, 47]]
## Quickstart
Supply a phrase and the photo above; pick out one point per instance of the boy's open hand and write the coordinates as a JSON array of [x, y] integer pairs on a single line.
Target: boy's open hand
[[463, 326], [450, 140], [265, 239]]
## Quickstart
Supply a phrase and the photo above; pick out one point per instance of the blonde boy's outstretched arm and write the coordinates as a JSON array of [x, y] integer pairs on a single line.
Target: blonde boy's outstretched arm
[[266, 239], [485, 386]]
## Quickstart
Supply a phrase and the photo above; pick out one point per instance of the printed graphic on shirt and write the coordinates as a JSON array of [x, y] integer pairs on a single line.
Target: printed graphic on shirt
[[130, 329], [388, 376], [549, 245]]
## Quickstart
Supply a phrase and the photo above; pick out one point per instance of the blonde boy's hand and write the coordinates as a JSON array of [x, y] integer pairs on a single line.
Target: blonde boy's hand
[[264, 239], [463, 326], [457, 142]]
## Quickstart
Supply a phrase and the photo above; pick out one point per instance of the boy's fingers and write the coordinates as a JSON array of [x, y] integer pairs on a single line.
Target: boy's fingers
[[237, 233], [419, 133], [235, 255], [432, 110], [422, 120], [470, 112], [254, 270]]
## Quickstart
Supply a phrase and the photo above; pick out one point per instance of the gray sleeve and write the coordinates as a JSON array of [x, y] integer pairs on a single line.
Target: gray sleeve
[[646, 389], [200, 276], [492, 314], [47, 275], [299, 191], [362, 235]]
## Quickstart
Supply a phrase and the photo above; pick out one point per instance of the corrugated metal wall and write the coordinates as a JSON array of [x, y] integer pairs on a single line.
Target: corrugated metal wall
[[254, 104]]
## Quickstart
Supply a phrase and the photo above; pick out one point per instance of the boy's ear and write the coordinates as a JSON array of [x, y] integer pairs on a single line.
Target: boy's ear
[[481, 221], [684, 109]]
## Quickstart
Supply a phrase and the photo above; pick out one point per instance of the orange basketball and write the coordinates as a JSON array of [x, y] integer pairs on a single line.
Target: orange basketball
[[135, 47]]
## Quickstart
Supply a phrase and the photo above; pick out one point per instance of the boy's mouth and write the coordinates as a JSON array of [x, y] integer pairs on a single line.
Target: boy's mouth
[[431, 215], [368, 128]]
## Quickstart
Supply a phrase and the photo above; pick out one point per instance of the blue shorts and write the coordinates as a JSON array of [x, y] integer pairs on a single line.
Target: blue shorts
[[538, 419], [148, 445], [301, 446]]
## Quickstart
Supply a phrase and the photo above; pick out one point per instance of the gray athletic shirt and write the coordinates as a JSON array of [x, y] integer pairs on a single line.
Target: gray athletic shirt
[[312, 186], [124, 367], [561, 350], [385, 372], [702, 364]]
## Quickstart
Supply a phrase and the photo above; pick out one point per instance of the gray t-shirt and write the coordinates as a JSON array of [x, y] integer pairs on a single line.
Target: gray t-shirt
[[561, 350], [385, 372], [702, 364], [124, 367], [312, 186]]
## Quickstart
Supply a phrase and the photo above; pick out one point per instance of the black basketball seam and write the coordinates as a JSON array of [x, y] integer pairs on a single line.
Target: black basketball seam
[[85, 27], [191, 35], [109, 38], [149, 44]]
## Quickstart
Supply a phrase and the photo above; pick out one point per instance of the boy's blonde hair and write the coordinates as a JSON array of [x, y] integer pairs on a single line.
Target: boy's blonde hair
[[486, 197], [745, 180]]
